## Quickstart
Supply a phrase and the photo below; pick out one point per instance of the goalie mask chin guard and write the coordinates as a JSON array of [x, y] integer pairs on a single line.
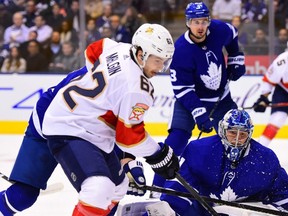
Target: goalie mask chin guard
[[238, 121], [155, 40]]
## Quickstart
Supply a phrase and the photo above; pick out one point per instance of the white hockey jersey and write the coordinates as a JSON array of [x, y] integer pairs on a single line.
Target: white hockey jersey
[[107, 104], [277, 74]]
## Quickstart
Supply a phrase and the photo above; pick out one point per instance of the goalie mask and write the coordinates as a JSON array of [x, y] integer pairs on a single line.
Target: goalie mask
[[235, 130], [155, 40]]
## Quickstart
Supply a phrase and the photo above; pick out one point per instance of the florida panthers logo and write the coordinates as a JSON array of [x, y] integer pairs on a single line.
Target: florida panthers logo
[[138, 111]]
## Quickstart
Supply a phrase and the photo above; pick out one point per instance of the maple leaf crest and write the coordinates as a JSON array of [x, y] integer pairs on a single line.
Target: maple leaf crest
[[212, 81], [228, 194]]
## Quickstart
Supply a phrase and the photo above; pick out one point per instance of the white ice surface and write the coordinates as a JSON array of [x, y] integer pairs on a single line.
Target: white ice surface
[[61, 203]]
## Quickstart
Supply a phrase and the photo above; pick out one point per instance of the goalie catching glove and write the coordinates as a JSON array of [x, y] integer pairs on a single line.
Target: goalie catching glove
[[134, 171], [236, 65], [261, 104], [164, 162]]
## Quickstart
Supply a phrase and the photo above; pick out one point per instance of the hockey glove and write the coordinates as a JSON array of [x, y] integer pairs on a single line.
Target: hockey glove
[[203, 122], [261, 104], [236, 66], [134, 171], [164, 162]]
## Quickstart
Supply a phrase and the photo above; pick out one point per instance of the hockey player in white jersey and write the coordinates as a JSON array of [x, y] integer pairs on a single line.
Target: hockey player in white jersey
[[35, 164], [107, 106], [275, 80]]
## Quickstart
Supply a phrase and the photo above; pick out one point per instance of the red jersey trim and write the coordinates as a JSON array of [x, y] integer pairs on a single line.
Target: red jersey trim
[[265, 79], [94, 50], [126, 134]]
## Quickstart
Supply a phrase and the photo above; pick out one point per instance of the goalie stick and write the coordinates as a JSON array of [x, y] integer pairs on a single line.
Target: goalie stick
[[52, 188], [217, 201], [196, 195]]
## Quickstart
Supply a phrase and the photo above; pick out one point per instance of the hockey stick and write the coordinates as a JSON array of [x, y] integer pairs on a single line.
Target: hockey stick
[[216, 104], [281, 104], [221, 202], [3, 176], [196, 195], [52, 188]]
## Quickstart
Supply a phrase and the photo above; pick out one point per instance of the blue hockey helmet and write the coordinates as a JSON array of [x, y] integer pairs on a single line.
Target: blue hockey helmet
[[237, 121], [196, 10]]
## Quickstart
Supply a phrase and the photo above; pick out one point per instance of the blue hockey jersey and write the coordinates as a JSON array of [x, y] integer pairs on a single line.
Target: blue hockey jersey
[[258, 176], [198, 71]]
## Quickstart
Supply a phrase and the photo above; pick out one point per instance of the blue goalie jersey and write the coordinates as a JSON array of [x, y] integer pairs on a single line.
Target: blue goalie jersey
[[258, 176]]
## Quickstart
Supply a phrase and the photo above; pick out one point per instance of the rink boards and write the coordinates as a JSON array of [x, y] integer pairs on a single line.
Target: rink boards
[[19, 93]]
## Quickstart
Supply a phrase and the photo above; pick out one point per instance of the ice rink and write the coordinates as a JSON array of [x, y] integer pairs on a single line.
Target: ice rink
[[61, 202]]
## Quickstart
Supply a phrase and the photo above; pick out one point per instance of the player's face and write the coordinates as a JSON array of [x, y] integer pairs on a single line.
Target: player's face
[[236, 137], [198, 27], [154, 65]]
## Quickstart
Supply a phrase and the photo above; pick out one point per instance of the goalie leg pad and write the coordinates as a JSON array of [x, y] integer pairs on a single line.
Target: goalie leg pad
[[128, 208], [161, 208]]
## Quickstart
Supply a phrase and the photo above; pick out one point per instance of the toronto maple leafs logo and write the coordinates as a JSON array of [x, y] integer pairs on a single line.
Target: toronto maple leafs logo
[[213, 79], [227, 194]]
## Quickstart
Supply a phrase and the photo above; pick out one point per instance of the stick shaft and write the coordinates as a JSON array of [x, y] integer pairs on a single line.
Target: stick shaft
[[3, 176], [53, 188], [281, 104], [221, 202], [196, 195], [216, 104]]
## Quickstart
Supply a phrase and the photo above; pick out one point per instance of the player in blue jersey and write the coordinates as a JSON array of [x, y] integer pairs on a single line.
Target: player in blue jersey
[[35, 164], [230, 166], [200, 76]]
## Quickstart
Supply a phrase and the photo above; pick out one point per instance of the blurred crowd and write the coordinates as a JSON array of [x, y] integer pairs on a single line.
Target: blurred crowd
[[250, 17], [44, 36]]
